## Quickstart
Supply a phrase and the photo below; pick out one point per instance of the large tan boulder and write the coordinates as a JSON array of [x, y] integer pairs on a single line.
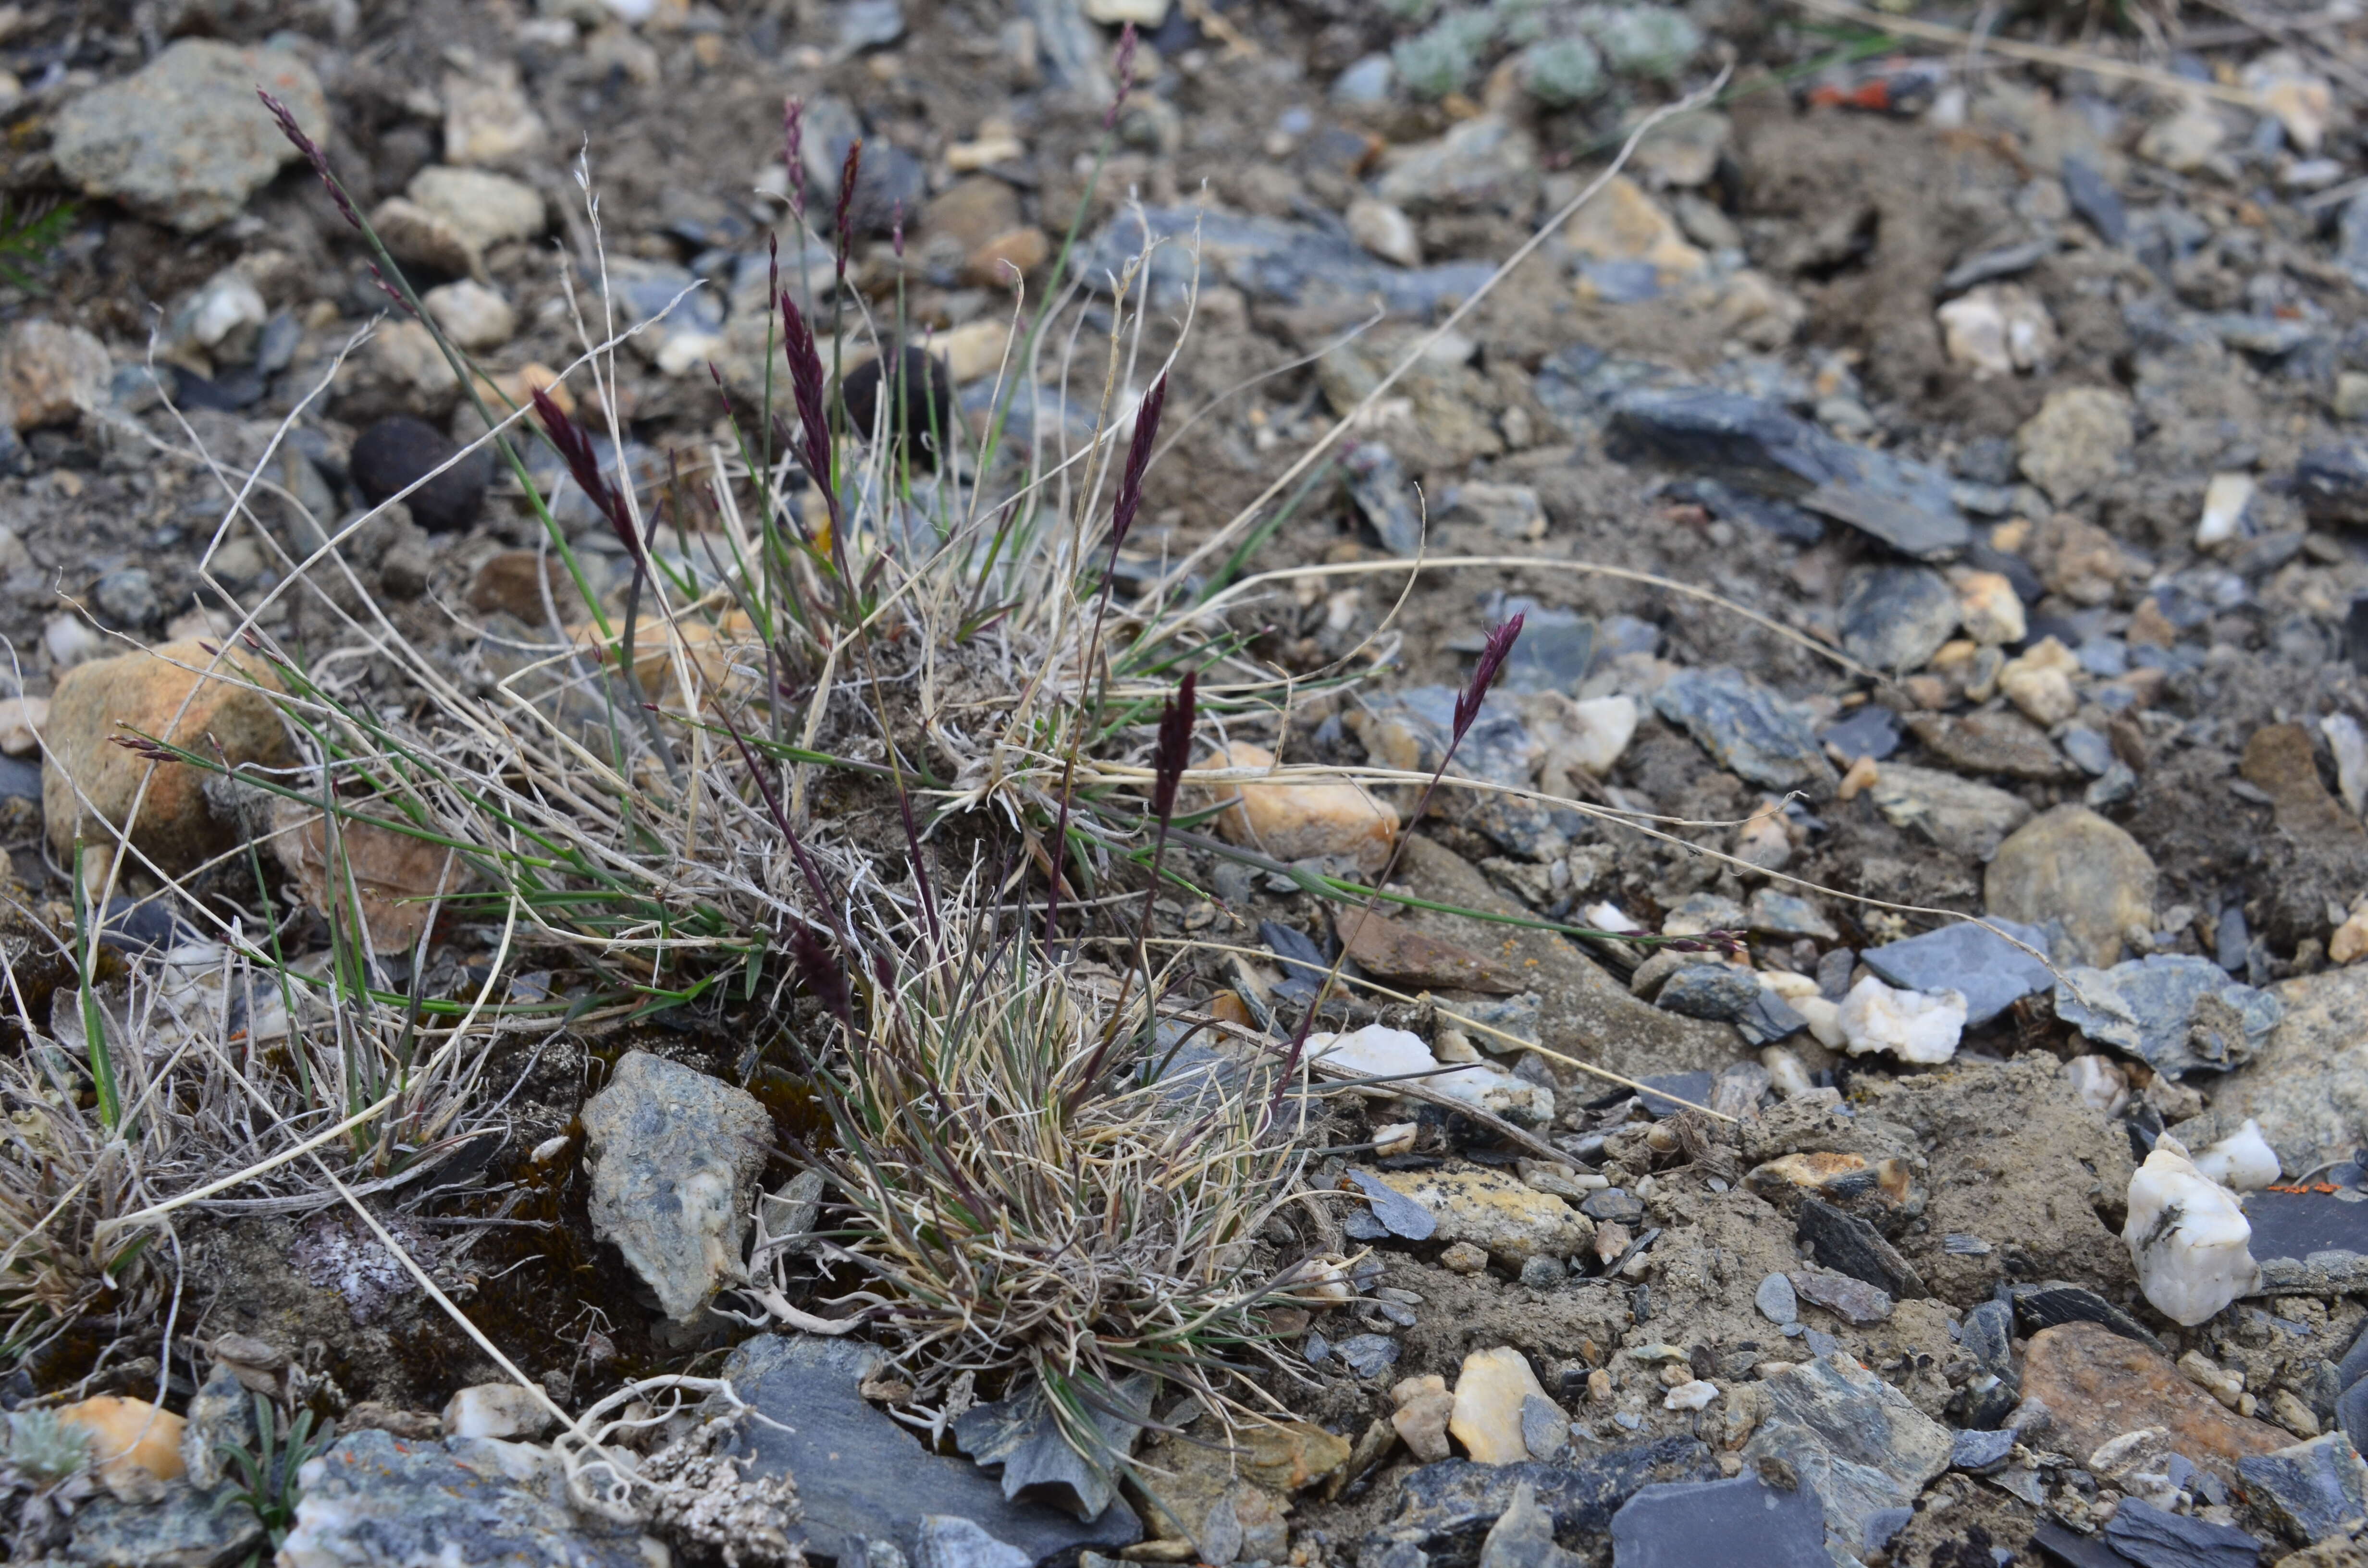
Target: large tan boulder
[[145, 693]]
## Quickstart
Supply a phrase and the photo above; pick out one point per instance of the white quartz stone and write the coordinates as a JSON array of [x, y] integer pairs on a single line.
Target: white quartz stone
[[2189, 1240], [1914, 1026], [2242, 1161]]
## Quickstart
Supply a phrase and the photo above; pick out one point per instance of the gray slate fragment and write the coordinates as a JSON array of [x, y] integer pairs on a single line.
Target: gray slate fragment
[[1870, 731], [1267, 258], [2311, 1487], [1377, 483], [2176, 1011], [1855, 1300], [2331, 483], [1775, 913], [1759, 446], [861, 1477], [1523, 1536], [1980, 1453], [2047, 1303], [2154, 1539], [2308, 1242], [1747, 728], [373, 1498], [1991, 972], [1555, 651], [1400, 1215], [1445, 1510], [2351, 1413], [1700, 1524], [1851, 1435], [1896, 618], [2094, 198], [1853, 1246], [675, 1159], [1713, 991], [1777, 1300], [1545, 1430], [1614, 1205], [2354, 1365], [2005, 261], [1368, 1355]]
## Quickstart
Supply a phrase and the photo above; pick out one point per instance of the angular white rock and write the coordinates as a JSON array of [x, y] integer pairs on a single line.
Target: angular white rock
[[495, 1410], [1689, 1396], [1787, 1073], [2189, 1240], [2226, 496], [1824, 1018], [1379, 1051], [1604, 727], [2242, 1161], [1914, 1026], [2350, 748]]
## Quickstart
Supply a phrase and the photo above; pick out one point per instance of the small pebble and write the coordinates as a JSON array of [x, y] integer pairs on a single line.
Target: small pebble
[[1777, 1300]]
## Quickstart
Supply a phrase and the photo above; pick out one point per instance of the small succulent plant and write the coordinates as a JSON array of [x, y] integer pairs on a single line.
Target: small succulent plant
[[1442, 57], [1562, 71], [1643, 40], [43, 1447]]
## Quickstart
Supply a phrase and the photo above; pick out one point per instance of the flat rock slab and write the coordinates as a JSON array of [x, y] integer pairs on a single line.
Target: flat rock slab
[[2312, 1488], [1853, 1438], [1760, 447], [1446, 1509], [2307, 1242], [2000, 742], [2098, 1385], [1270, 258], [2047, 1305], [1748, 729], [2153, 1539], [860, 1476], [1851, 1245], [1700, 1524], [1395, 953], [1990, 971], [188, 1526], [2177, 1012], [1964, 816]]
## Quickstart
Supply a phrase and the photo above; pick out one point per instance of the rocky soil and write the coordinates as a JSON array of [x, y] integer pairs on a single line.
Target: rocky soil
[[1932, 488]]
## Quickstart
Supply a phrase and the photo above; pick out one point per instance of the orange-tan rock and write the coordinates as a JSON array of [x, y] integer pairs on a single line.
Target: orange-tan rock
[[2099, 1385], [1293, 819], [144, 692], [128, 1435]]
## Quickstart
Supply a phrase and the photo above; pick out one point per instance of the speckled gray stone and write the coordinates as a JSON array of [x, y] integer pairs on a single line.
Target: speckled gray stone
[[184, 140], [675, 1156]]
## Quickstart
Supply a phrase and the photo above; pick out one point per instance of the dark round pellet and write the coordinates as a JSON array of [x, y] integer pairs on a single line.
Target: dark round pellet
[[928, 406], [393, 453]]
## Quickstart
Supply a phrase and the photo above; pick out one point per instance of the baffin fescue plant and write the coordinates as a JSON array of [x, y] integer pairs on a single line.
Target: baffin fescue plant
[[1038, 1174]]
